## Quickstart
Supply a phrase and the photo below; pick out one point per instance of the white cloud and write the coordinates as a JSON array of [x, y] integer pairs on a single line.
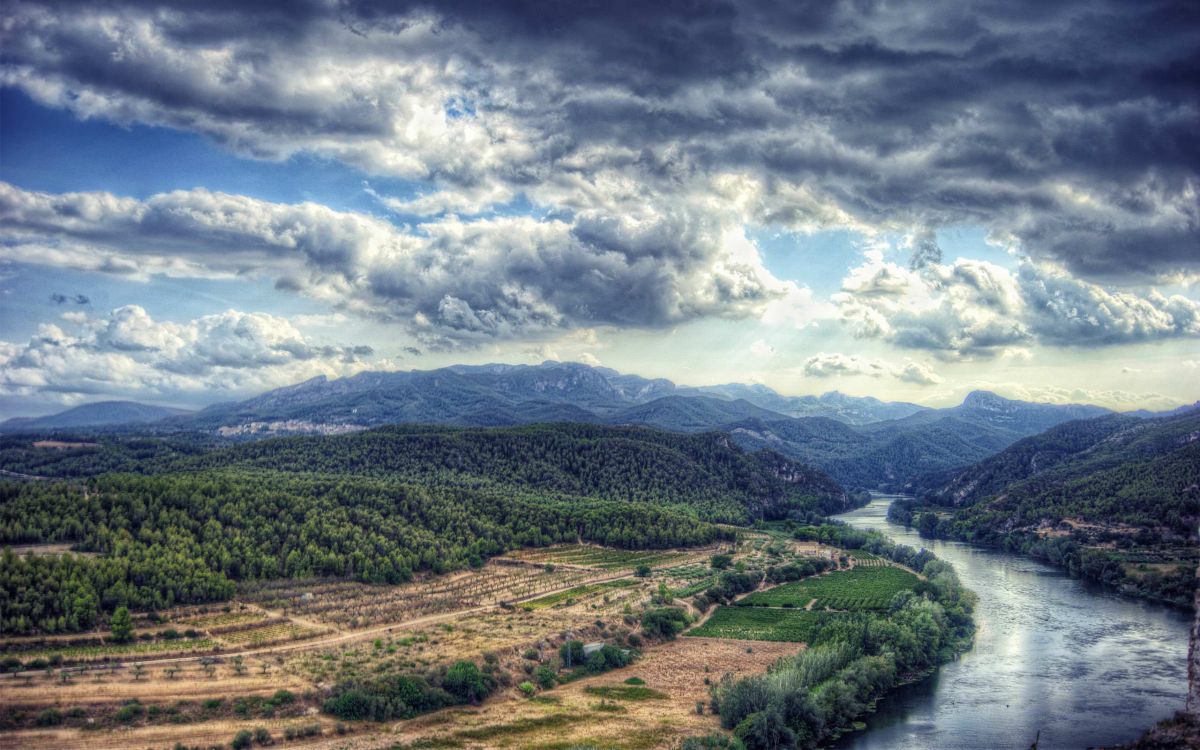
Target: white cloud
[[976, 309], [826, 365], [452, 281], [761, 348], [129, 353]]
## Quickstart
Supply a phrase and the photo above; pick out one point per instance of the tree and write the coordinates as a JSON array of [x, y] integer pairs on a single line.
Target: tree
[[571, 653], [927, 524], [122, 625], [720, 562], [642, 571], [464, 681], [765, 730]]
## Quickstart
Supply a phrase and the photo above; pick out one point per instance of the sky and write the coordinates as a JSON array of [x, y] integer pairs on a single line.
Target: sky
[[202, 201]]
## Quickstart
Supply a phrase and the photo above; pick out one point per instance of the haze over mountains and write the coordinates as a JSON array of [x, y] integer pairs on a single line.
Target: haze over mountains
[[99, 414], [860, 442]]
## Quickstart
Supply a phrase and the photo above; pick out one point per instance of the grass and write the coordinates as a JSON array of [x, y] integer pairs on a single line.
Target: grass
[[625, 692], [129, 649], [864, 588], [604, 558], [577, 592], [758, 624], [520, 726]]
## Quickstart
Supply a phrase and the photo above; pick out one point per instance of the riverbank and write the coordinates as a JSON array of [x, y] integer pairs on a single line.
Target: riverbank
[[1051, 654], [1133, 565], [853, 659]]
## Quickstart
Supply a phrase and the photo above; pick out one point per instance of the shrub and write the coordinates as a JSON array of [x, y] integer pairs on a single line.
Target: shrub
[[642, 571], [242, 740], [720, 562], [664, 622], [465, 682], [571, 653], [51, 717], [545, 677], [128, 713], [528, 688], [262, 736], [765, 730]]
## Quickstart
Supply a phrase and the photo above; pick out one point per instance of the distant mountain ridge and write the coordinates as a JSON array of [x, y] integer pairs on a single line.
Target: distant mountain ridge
[[496, 394], [98, 414], [860, 442]]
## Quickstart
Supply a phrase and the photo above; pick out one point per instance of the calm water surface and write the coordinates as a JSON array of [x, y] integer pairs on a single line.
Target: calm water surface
[[1081, 664]]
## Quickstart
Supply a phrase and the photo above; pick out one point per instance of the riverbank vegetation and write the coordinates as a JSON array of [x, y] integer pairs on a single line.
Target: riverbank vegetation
[[853, 658], [1114, 500]]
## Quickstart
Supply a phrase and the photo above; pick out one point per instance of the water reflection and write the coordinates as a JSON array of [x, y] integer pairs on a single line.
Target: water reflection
[[1077, 662]]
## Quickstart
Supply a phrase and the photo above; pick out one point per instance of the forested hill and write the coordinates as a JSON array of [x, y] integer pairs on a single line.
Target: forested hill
[[704, 471], [1062, 453], [1115, 498], [377, 506]]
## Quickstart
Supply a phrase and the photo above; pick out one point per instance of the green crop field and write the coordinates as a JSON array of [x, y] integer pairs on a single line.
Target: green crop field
[[604, 558], [856, 589], [577, 592], [759, 624]]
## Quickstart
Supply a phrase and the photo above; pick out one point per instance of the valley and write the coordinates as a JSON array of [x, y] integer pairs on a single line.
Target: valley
[[550, 585]]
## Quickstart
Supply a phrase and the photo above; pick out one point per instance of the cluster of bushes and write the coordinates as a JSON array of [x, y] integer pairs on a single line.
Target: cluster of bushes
[[406, 696], [728, 585], [664, 622], [601, 660], [851, 662], [794, 571]]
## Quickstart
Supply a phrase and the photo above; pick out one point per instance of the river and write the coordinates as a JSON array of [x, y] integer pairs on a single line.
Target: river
[[1078, 663]]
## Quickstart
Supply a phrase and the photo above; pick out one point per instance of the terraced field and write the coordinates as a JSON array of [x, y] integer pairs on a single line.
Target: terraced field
[[861, 588], [760, 624], [601, 558], [578, 593], [349, 604]]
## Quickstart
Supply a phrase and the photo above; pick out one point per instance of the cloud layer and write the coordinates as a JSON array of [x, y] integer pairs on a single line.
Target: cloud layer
[[976, 309], [825, 365], [129, 353], [451, 281], [1068, 129]]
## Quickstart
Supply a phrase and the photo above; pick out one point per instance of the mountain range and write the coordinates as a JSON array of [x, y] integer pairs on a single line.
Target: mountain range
[[860, 442]]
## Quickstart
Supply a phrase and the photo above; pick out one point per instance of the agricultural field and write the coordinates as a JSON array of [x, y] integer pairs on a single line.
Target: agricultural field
[[350, 605], [609, 559], [860, 588], [579, 592], [761, 624]]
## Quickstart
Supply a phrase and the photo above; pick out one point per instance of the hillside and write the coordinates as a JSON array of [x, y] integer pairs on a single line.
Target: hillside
[[1116, 499], [379, 506], [498, 394], [99, 414]]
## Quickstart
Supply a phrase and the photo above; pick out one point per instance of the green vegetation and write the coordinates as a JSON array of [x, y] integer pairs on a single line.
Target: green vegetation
[[375, 506], [1115, 500], [122, 625], [664, 622], [853, 659], [625, 692], [577, 593], [405, 696], [760, 624], [855, 589]]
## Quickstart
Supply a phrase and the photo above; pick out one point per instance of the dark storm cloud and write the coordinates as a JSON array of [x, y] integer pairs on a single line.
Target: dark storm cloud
[[1068, 128]]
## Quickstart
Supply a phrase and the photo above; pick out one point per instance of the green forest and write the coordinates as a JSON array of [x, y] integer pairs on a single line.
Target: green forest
[[1115, 500], [375, 507]]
